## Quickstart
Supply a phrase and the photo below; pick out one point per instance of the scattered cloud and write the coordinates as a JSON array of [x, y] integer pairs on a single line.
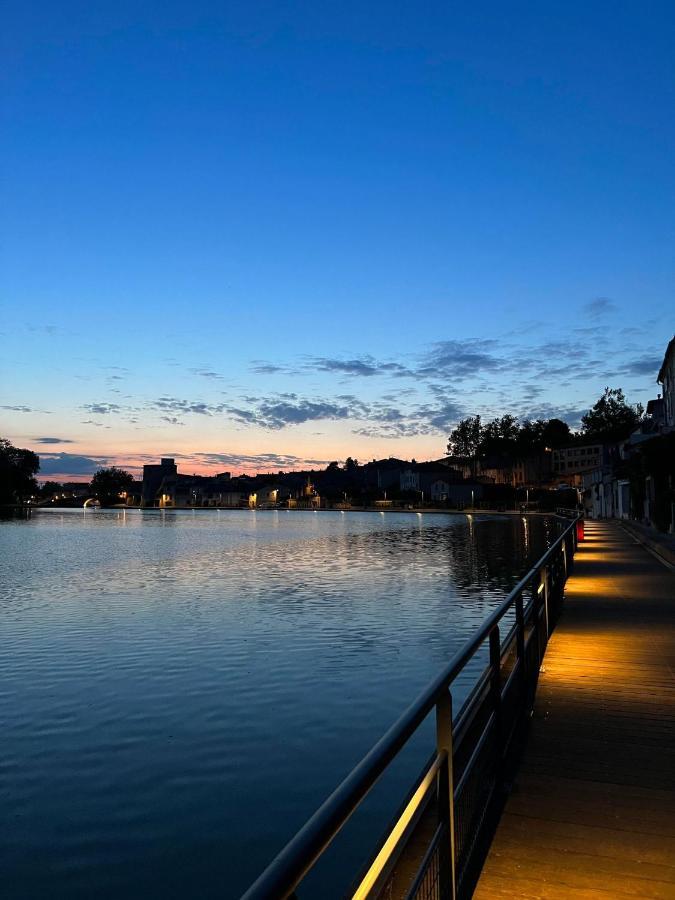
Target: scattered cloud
[[598, 307], [175, 405], [52, 440], [172, 420], [570, 414], [71, 464], [363, 367], [259, 461], [280, 411], [206, 372], [102, 409], [458, 360], [260, 367], [643, 365], [21, 409]]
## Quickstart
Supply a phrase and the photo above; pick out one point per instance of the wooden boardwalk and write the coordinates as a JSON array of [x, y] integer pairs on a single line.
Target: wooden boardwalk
[[592, 810]]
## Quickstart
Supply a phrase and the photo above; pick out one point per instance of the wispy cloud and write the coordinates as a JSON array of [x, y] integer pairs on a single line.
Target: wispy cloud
[[259, 461], [52, 440], [643, 365], [458, 360], [102, 409], [277, 412], [599, 307], [71, 464], [206, 372]]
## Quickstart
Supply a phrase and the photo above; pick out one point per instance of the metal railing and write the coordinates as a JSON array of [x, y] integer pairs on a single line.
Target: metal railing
[[462, 787]]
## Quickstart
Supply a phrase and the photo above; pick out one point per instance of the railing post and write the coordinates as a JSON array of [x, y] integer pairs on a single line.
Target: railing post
[[446, 785], [545, 592], [496, 685], [520, 643]]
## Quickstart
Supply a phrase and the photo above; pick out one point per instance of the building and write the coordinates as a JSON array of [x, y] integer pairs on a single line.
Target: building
[[666, 378], [533, 470], [153, 476], [571, 463]]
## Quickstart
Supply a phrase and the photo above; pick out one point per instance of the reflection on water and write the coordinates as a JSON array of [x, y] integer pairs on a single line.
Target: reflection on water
[[180, 690]]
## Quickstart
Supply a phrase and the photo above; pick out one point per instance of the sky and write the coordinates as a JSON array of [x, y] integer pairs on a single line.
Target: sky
[[261, 236]]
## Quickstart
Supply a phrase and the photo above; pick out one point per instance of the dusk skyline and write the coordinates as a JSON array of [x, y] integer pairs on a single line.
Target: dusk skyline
[[290, 236]]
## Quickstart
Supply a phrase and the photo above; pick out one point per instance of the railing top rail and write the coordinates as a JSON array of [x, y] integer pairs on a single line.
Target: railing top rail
[[299, 855]]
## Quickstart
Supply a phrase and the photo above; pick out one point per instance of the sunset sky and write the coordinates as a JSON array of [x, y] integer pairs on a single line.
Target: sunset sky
[[263, 235]]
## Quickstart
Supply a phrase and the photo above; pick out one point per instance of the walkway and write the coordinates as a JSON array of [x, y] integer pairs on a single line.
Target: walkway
[[592, 810]]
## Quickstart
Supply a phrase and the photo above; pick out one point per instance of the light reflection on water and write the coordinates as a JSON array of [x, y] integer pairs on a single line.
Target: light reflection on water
[[179, 691]]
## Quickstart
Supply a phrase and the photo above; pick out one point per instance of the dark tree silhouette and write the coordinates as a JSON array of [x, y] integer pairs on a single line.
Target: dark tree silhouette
[[465, 437], [108, 484], [18, 468], [611, 418], [556, 433], [49, 488]]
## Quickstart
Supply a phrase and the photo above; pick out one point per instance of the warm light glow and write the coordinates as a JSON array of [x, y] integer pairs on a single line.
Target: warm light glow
[[398, 830]]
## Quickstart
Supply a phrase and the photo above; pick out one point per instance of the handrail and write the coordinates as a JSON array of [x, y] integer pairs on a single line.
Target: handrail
[[294, 861], [378, 864]]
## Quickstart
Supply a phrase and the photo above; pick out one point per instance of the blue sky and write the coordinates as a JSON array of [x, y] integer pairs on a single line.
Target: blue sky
[[252, 235]]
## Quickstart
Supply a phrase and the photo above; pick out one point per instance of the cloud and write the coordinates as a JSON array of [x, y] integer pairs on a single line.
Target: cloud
[[362, 367], [461, 359], [176, 405], [70, 464], [52, 440], [357, 367], [643, 365], [22, 409], [260, 367], [425, 419], [205, 372], [172, 420], [259, 461], [102, 409], [571, 415], [280, 411], [599, 306]]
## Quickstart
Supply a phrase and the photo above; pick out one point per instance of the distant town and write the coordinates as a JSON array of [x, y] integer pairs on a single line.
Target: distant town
[[620, 464]]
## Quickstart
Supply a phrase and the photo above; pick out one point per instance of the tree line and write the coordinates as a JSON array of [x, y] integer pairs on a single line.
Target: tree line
[[609, 420]]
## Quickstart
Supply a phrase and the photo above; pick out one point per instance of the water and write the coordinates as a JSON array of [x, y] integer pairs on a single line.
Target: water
[[179, 691]]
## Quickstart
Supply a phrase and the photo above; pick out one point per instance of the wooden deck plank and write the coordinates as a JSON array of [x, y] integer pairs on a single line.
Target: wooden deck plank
[[592, 809]]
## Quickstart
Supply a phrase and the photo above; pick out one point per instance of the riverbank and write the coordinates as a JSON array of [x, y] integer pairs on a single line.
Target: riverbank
[[415, 510]]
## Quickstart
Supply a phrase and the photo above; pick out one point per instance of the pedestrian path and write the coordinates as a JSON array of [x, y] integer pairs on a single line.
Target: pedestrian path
[[592, 809]]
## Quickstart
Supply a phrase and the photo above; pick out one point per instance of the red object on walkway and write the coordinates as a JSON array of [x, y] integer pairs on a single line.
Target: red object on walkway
[[580, 530]]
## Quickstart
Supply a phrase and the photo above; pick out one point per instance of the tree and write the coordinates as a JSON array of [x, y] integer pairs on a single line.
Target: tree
[[49, 488], [108, 484], [556, 433], [611, 419], [465, 437], [465, 440], [18, 468], [499, 437]]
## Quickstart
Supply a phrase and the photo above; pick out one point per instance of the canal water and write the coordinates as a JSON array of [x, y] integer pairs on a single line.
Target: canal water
[[180, 690]]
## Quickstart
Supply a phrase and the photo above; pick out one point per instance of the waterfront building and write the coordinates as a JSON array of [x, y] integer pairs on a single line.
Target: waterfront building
[[666, 378], [153, 476], [572, 462]]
